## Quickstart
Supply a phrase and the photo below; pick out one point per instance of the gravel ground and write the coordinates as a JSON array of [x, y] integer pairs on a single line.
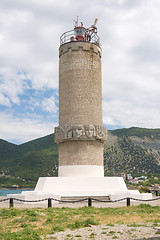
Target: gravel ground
[[102, 232]]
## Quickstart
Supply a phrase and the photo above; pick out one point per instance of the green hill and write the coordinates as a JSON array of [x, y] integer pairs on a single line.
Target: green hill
[[133, 150], [139, 132], [25, 163]]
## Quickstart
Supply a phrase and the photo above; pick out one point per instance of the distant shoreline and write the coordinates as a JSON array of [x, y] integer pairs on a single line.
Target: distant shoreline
[[6, 191], [16, 188]]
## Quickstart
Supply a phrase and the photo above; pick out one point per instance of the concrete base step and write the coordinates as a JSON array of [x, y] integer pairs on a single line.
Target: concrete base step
[[77, 198]]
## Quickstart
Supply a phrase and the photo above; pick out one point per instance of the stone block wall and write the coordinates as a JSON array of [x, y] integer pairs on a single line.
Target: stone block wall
[[80, 134], [80, 90]]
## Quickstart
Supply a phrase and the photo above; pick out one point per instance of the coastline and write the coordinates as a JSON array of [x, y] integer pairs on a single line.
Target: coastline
[[5, 191], [15, 188]]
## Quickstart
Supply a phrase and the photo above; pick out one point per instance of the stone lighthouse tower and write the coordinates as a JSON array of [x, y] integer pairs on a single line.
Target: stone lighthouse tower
[[80, 134]]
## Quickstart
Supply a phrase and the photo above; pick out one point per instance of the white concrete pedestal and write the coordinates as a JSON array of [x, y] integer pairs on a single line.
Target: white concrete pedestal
[[57, 187]]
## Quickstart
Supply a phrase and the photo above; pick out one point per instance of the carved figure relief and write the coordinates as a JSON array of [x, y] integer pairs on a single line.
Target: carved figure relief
[[90, 131], [79, 132], [99, 132]]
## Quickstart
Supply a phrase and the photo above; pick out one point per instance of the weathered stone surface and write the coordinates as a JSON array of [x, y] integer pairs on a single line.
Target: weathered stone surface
[[80, 90], [80, 132], [81, 153]]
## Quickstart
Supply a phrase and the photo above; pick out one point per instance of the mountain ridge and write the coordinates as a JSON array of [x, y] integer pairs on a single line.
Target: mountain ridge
[[132, 150]]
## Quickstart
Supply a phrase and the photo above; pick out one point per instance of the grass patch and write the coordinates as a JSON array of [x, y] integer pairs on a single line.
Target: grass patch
[[92, 236], [133, 229], [110, 225], [58, 228], [34, 223], [24, 225], [134, 225], [25, 234], [9, 213], [81, 224], [112, 232], [134, 236]]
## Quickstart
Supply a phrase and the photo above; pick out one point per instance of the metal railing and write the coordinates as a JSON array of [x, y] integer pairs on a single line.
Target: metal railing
[[89, 200], [66, 37]]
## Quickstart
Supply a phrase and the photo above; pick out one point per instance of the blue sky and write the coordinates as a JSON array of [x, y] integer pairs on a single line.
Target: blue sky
[[29, 42]]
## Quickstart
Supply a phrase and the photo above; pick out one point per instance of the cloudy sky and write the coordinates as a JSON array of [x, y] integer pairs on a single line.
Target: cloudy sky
[[29, 42]]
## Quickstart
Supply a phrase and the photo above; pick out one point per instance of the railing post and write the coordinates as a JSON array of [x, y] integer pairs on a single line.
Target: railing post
[[11, 202], [128, 202], [49, 202], [89, 202]]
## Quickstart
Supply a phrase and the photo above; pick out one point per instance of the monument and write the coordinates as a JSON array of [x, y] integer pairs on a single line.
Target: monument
[[80, 134]]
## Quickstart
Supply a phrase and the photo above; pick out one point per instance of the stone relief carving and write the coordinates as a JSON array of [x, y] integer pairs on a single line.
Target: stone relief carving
[[79, 132]]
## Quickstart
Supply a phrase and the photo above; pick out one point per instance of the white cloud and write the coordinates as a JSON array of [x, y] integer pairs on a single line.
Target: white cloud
[[130, 37], [131, 58], [12, 85], [23, 130], [48, 105], [4, 100], [27, 44], [125, 113]]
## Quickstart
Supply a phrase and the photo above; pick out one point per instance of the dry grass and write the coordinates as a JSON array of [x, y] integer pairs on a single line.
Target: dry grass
[[31, 224]]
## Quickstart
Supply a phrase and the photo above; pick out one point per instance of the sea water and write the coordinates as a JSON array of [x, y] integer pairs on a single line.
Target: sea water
[[4, 192]]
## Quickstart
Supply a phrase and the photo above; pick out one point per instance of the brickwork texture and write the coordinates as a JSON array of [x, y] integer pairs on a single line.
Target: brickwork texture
[[80, 100]]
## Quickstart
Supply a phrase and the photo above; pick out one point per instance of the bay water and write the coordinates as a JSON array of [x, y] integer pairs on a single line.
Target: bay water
[[4, 192]]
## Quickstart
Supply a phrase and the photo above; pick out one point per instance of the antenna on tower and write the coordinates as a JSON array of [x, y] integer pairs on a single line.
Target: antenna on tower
[[95, 22], [76, 22]]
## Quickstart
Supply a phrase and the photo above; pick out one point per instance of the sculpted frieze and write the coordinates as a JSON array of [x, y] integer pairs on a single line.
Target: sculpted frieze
[[79, 132]]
